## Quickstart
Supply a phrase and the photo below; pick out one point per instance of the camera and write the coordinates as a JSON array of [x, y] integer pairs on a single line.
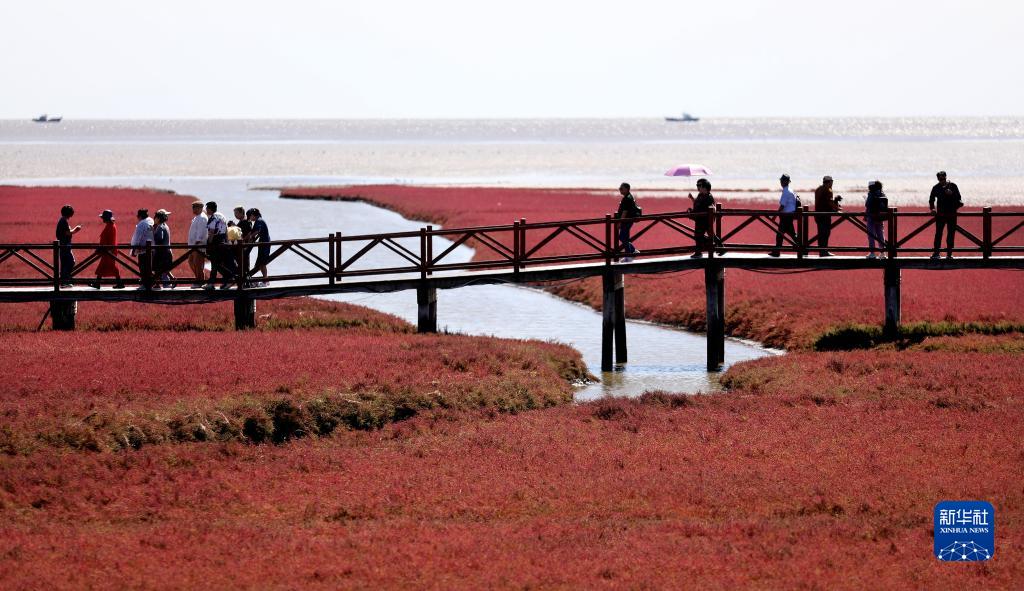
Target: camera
[[838, 198]]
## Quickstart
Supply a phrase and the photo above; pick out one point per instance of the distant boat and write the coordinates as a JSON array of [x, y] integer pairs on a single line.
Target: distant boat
[[686, 117], [46, 119]]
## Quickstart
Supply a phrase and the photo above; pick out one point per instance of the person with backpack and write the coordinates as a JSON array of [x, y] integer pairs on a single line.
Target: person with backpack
[[943, 202], [628, 209], [875, 204], [702, 204], [788, 204]]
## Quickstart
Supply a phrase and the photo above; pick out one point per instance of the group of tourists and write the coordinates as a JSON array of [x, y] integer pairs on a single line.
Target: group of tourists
[[944, 201], [210, 237]]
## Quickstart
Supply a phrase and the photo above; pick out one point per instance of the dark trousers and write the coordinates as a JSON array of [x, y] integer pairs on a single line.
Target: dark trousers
[[67, 263], [824, 223], [948, 222], [785, 227], [222, 260], [624, 228]]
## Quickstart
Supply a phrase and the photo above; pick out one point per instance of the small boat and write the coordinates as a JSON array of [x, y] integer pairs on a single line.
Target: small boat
[[44, 118], [686, 117]]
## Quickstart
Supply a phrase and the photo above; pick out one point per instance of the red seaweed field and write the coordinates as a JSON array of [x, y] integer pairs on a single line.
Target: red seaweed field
[[332, 447]]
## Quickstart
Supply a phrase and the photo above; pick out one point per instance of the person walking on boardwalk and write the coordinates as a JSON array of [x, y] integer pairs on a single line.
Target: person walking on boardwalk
[[162, 255], [824, 201], [108, 252], [875, 205], [944, 202], [197, 235], [787, 211], [143, 234], [217, 236], [703, 234], [64, 234], [628, 209], [261, 234]]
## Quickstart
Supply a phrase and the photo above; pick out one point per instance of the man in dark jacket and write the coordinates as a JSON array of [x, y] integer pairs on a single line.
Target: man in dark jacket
[[943, 202], [628, 209], [824, 201]]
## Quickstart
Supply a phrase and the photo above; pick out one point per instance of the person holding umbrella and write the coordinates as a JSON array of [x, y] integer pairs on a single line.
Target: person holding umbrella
[[702, 232], [108, 252]]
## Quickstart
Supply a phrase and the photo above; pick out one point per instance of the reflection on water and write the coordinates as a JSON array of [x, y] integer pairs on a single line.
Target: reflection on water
[[660, 358]]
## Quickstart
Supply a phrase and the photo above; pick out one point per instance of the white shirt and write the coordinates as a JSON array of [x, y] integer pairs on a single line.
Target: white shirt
[[143, 234], [787, 201], [217, 223], [197, 232]]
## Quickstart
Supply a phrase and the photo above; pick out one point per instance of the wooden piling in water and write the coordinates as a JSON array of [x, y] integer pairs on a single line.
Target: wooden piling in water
[[621, 354], [426, 298], [714, 287], [607, 320]]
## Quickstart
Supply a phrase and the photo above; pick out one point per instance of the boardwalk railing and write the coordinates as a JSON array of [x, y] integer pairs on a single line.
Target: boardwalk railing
[[520, 245]]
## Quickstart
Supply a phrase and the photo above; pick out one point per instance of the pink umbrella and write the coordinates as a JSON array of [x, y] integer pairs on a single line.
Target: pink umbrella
[[689, 170]]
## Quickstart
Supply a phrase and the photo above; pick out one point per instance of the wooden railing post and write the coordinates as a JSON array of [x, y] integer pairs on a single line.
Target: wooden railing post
[[56, 265], [893, 233], [609, 247], [718, 223], [515, 247], [430, 249], [337, 255], [332, 264], [711, 231], [423, 253], [522, 242], [243, 268], [801, 231], [986, 232], [147, 279]]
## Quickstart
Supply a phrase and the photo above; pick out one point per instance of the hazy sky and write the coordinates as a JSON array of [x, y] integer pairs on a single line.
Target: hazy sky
[[528, 58]]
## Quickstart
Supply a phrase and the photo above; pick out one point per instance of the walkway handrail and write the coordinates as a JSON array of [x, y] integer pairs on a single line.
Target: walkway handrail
[[523, 244]]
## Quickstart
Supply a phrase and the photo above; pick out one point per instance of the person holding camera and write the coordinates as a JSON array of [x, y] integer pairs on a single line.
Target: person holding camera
[[824, 201], [943, 202]]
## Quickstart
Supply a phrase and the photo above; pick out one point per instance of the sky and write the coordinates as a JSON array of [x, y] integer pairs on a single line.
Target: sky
[[528, 58]]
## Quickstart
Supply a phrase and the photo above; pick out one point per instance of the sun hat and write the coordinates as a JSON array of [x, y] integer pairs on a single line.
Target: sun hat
[[107, 215]]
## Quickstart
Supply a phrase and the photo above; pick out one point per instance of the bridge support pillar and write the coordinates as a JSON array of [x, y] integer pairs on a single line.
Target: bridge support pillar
[[613, 321], [63, 314], [426, 298], [245, 313], [714, 286], [621, 354], [892, 301]]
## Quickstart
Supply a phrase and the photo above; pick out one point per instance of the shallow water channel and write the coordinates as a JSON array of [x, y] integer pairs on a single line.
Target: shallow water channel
[[661, 358]]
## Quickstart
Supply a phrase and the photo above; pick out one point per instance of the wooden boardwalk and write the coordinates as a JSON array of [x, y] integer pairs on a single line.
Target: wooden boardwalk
[[524, 253]]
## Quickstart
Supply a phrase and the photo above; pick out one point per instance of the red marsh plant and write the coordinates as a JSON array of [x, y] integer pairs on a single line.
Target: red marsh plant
[[777, 484]]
